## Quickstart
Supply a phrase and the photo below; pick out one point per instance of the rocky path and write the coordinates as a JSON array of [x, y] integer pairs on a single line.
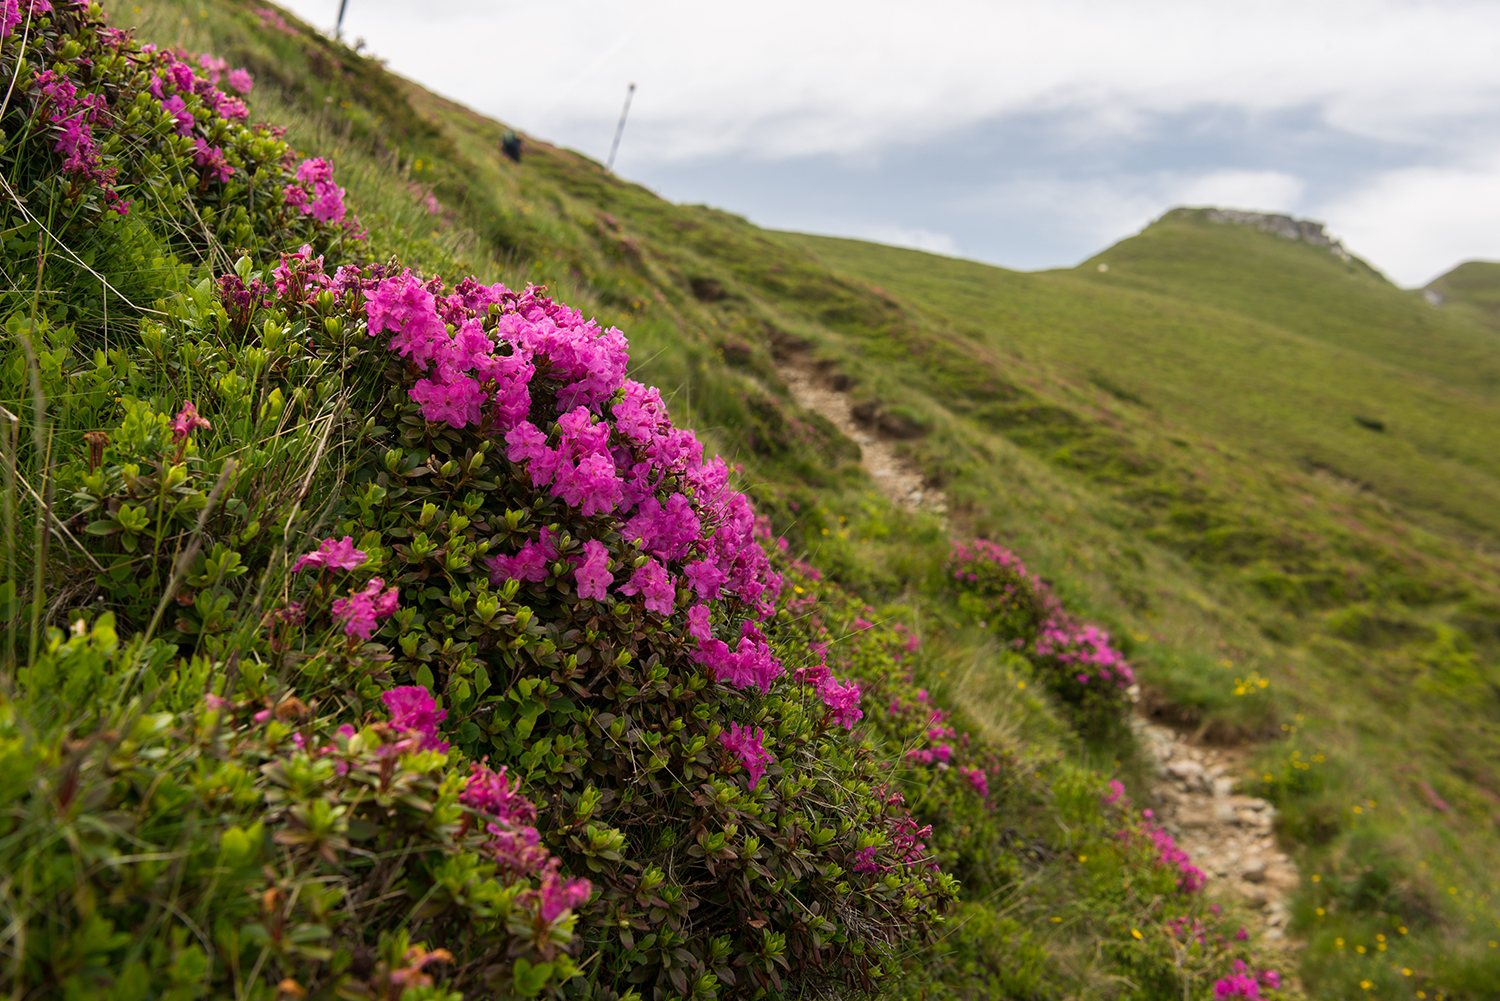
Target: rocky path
[[897, 478], [1229, 836]]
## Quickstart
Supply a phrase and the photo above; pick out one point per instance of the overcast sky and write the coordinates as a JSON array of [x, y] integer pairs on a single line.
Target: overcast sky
[[1029, 135]]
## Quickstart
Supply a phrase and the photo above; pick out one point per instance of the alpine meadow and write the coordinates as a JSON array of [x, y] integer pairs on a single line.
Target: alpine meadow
[[435, 575]]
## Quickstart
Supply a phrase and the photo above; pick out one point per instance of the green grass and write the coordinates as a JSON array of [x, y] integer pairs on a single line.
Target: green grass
[[1173, 443]]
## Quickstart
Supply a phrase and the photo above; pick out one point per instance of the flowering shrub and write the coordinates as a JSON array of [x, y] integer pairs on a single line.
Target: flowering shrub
[[297, 847], [532, 570], [1076, 660], [133, 158]]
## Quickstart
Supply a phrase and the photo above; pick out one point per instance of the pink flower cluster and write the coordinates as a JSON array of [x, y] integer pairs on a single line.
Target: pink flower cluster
[[13, 12], [980, 561], [186, 422], [513, 364], [1243, 984], [177, 77], [272, 19], [332, 554], [1191, 878], [414, 710], [76, 114], [510, 818], [842, 699], [978, 779], [315, 194], [362, 610], [749, 746], [1084, 651]]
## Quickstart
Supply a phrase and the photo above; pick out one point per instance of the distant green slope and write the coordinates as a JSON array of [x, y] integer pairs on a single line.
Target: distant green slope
[[1473, 288], [1211, 355]]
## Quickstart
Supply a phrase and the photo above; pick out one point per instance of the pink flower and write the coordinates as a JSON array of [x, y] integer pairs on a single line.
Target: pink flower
[[529, 563], [1240, 985], [295, 196], [509, 819], [240, 80], [177, 108], [653, 581], [592, 575], [493, 793], [187, 421], [414, 710], [212, 157], [842, 702], [978, 779], [332, 554], [557, 896], [749, 746], [457, 402], [314, 170], [328, 207], [361, 611]]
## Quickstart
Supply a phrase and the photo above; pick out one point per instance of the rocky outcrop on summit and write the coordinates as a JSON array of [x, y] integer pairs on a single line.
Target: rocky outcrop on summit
[[1283, 226]]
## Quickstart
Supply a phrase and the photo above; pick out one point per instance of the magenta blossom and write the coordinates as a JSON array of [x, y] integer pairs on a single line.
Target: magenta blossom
[[556, 896], [749, 746], [240, 80], [361, 611], [842, 701], [592, 575], [414, 710], [332, 554], [187, 421]]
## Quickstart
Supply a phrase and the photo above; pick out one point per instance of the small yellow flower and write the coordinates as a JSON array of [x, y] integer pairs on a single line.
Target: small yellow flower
[[798, 589], [1083, 858], [1380, 938], [1493, 943], [1381, 947], [1321, 912], [1359, 949], [1405, 972], [1136, 933], [1367, 984], [1317, 879], [1020, 684], [1339, 942], [1402, 929], [1057, 921]]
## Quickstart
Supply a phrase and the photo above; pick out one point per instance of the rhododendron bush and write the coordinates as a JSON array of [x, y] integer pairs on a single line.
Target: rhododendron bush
[[123, 159], [530, 574], [1076, 660]]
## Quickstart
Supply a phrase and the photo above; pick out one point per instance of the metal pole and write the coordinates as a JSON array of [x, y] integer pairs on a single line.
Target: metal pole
[[338, 30], [619, 129]]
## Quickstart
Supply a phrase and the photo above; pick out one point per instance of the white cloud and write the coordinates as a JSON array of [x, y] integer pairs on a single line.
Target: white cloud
[[1414, 224], [1255, 190], [803, 77], [783, 80], [908, 236]]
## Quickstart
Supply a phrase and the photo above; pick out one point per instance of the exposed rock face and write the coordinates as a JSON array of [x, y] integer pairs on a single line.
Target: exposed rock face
[[1283, 226]]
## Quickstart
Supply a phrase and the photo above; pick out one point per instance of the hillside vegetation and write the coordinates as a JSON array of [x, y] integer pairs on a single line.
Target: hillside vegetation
[[1268, 474]]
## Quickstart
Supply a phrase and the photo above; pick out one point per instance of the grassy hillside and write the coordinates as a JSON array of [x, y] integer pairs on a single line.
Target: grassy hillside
[[1473, 289], [1239, 453]]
